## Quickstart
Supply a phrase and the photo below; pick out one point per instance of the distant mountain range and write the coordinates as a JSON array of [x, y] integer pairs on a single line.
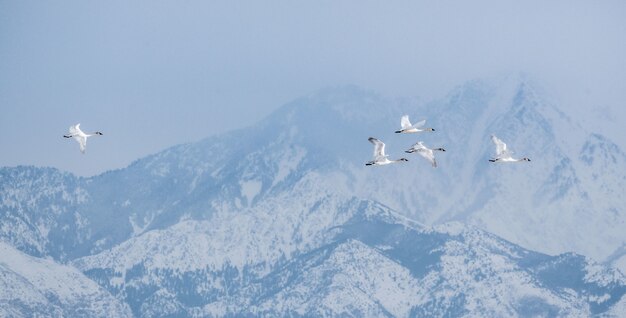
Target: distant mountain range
[[283, 218]]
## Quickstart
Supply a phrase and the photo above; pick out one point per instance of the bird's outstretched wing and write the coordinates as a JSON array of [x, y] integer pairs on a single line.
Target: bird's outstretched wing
[[74, 129], [416, 147], [500, 146], [379, 147], [404, 122], [82, 142], [419, 123], [428, 155]]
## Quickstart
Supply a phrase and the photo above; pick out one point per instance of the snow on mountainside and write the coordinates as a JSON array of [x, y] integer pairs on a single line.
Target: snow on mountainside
[[34, 287], [367, 261], [551, 204], [254, 220], [566, 199], [38, 210], [275, 228]]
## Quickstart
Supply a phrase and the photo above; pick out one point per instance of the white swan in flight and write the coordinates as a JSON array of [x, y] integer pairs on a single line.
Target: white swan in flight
[[408, 128], [380, 158], [80, 136], [427, 153], [503, 154]]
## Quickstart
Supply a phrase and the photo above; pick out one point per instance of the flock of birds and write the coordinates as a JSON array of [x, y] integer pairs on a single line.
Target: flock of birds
[[381, 159]]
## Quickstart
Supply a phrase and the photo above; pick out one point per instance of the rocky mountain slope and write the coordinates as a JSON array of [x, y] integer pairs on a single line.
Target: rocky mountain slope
[[35, 287]]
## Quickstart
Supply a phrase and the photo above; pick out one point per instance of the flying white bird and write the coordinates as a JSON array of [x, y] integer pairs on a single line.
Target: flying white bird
[[425, 152], [503, 154], [80, 136], [380, 158], [408, 128]]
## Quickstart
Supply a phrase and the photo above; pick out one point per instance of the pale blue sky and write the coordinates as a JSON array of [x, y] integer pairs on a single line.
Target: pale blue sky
[[151, 74]]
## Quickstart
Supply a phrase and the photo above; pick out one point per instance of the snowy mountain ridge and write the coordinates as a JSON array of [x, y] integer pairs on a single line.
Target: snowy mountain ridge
[[374, 263]]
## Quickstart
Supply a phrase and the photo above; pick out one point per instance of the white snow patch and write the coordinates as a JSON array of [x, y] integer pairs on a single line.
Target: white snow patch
[[117, 281], [288, 163], [599, 299], [140, 226], [384, 247], [250, 189], [451, 228], [161, 171], [43, 229]]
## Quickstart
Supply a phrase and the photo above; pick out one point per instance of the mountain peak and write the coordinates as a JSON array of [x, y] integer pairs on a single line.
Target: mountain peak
[[347, 103]]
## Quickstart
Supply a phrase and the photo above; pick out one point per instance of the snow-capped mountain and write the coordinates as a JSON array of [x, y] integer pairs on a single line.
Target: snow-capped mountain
[[566, 199], [334, 255], [283, 218], [312, 252], [35, 287]]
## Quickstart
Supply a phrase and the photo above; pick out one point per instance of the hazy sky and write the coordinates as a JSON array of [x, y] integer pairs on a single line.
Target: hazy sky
[[151, 74]]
